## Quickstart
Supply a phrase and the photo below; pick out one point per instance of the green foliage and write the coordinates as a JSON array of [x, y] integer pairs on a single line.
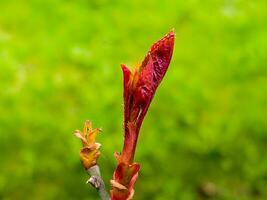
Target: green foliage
[[205, 133]]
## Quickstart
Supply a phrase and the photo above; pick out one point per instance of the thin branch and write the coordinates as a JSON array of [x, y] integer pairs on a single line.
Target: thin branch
[[97, 182]]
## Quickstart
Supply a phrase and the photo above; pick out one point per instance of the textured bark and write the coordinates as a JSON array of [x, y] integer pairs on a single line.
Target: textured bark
[[97, 182]]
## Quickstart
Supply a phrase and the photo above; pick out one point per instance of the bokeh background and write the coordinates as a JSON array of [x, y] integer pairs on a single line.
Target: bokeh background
[[205, 135]]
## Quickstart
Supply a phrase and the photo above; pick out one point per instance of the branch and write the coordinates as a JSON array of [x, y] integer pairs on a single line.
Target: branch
[[97, 182]]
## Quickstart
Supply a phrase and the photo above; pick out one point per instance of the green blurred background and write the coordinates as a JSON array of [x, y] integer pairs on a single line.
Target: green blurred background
[[205, 135]]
